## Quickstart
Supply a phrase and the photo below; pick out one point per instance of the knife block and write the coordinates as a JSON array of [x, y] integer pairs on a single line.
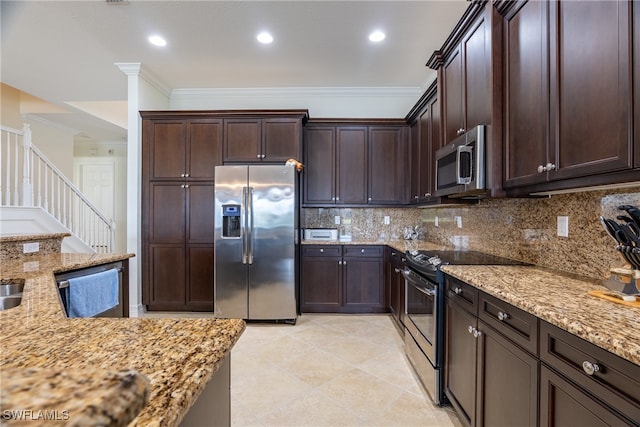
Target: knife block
[[624, 280]]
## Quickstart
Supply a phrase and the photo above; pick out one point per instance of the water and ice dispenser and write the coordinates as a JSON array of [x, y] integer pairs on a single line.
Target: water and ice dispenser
[[231, 221]]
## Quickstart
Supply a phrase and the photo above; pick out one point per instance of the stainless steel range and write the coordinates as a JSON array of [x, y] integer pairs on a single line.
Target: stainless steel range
[[424, 311]]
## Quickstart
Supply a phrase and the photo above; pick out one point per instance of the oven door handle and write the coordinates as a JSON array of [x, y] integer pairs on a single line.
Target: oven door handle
[[428, 292]]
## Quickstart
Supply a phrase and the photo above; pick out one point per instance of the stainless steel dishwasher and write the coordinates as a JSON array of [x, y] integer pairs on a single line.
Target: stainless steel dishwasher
[[119, 310]]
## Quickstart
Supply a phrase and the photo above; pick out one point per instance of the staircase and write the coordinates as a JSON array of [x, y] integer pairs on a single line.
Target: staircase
[[36, 198]]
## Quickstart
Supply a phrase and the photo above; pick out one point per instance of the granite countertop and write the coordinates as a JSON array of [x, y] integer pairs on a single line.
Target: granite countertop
[[398, 244], [83, 366], [562, 300], [29, 237]]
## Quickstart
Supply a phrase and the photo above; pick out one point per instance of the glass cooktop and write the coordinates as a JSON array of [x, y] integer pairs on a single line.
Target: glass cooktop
[[427, 262]]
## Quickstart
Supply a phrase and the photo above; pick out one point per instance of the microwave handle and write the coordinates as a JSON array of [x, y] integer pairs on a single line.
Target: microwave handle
[[464, 149]]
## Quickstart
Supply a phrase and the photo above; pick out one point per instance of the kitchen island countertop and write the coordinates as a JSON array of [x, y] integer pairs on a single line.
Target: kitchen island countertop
[[168, 360]]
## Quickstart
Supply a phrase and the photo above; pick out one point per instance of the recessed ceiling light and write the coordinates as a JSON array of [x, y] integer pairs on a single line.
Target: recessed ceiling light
[[264, 37], [157, 41], [377, 36]]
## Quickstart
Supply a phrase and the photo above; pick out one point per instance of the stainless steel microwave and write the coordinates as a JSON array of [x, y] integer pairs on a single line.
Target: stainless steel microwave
[[460, 165]]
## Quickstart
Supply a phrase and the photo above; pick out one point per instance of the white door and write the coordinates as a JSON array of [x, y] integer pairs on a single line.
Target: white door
[[96, 181]]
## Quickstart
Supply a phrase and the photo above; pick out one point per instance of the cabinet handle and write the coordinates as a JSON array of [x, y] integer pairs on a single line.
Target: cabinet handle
[[321, 250], [590, 368], [476, 333], [457, 290], [503, 316], [471, 329]]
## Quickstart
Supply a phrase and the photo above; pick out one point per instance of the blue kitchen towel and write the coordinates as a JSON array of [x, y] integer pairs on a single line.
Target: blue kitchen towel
[[92, 294]]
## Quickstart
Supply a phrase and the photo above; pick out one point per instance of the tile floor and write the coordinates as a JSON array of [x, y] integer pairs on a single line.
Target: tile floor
[[327, 370]]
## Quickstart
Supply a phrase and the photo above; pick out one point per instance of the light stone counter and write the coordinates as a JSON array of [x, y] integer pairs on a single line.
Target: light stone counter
[[79, 358], [562, 300]]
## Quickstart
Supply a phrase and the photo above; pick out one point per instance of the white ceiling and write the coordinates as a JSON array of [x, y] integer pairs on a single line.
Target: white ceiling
[[64, 51]]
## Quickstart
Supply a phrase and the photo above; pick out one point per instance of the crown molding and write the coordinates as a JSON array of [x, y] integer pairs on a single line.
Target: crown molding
[[37, 119], [137, 69], [296, 92]]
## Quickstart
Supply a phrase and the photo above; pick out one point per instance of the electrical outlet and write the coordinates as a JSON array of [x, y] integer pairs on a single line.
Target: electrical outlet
[[336, 219], [563, 226], [458, 220], [387, 220], [28, 248], [435, 222]]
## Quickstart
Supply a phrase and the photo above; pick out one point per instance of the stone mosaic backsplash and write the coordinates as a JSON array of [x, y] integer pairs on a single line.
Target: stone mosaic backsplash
[[523, 228]]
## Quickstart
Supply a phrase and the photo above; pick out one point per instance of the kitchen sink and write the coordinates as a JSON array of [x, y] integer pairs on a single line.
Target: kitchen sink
[[10, 302], [11, 288], [10, 293]]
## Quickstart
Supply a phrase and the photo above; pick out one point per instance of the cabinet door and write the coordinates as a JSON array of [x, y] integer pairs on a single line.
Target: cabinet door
[[363, 285], [431, 142], [282, 140], [387, 161], [321, 284], [507, 383], [200, 212], [199, 296], [415, 150], [460, 361], [165, 278], [476, 66], [636, 82], [242, 140], [204, 149], [166, 212], [527, 93], [562, 404], [590, 87], [351, 170], [166, 148], [453, 108], [320, 165]]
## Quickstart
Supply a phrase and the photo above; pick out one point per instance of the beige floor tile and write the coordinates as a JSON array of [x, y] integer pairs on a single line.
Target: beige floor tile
[[393, 367], [410, 410], [316, 367]]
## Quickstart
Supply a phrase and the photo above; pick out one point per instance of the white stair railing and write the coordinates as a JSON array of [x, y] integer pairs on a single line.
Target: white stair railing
[[28, 178]]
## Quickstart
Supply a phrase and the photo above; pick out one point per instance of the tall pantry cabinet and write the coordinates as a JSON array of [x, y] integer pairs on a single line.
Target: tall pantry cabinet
[[179, 157]]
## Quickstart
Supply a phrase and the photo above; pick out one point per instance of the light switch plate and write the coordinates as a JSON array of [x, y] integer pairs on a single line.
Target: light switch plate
[[563, 226], [336, 219], [436, 222], [387, 220], [458, 220]]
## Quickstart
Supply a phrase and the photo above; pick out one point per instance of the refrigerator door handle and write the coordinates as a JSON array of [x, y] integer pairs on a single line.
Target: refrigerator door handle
[[244, 207], [250, 226]]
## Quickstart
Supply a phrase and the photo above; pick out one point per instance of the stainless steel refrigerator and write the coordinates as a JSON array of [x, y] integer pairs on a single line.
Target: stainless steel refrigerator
[[256, 226]]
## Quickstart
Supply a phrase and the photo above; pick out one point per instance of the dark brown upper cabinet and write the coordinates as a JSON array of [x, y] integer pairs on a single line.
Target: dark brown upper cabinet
[[567, 90], [469, 78], [354, 163], [273, 140]]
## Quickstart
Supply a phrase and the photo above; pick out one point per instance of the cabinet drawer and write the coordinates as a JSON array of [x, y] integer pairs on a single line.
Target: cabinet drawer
[[363, 251], [318, 250], [463, 294], [616, 382], [517, 325]]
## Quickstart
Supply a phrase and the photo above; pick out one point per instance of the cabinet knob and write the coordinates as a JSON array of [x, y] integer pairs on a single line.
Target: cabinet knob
[[321, 250], [181, 175], [457, 290], [182, 186], [361, 251], [415, 197], [369, 198], [502, 316], [186, 186], [397, 270], [393, 254], [333, 199], [476, 333], [460, 131], [471, 329], [590, 368], [550, 167], [186, 175], [337, 198], [427, 194], [541, 169], [403, 259], [258, 156]]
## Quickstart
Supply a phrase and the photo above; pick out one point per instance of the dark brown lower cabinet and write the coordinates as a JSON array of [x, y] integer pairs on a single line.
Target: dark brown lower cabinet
[[489, 379], [562, 404], [337, 280]]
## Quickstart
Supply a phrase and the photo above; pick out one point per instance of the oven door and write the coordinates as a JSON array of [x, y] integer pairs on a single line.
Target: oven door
[[422, 311]]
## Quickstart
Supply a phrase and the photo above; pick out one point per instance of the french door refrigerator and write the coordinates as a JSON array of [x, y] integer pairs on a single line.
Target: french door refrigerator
[[256, 226]]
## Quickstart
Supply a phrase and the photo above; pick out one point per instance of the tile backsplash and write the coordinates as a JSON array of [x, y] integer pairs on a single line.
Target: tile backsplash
[[524, 229]]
